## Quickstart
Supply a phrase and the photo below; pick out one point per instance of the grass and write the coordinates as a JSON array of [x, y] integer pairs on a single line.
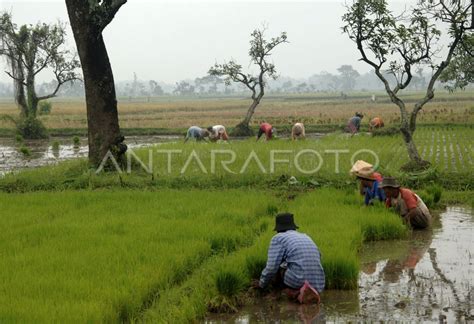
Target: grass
[[119, 255], [102, 256], [449, 149], [338, 229]]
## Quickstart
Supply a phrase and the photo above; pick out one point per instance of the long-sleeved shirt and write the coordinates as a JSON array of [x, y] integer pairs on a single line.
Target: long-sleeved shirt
[[354, 124], [374, 192], [195, 132], [302, 257]]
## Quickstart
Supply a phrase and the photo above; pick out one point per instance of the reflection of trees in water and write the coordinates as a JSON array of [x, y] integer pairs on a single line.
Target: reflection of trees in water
[[458, 306]]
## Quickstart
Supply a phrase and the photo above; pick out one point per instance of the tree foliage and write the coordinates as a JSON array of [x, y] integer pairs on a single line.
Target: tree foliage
[[30, 50], [460, 72], [397, 45], [260, 52]]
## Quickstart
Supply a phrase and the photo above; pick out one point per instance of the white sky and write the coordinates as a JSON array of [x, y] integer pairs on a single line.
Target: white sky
[[174, 40]]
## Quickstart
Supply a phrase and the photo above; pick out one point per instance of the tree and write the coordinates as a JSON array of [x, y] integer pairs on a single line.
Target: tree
[[460, 71], [260, 52], [184, 88], [88, 20], [398, 44], [29, 51], [348, 77], [155, 88]]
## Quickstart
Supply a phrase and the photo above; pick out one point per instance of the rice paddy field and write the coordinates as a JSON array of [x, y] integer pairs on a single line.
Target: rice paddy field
[[312, 109], [182, 229], [134, 255]]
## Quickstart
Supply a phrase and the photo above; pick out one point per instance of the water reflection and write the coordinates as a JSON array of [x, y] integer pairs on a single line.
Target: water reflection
[[427, 278], [43, 152]]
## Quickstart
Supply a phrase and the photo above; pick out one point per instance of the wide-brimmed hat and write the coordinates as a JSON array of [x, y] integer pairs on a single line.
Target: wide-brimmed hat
[[389, 182], [284, 222], [364, 170]]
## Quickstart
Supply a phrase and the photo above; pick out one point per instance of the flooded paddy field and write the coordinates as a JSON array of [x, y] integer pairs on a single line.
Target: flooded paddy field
[[427, 278]]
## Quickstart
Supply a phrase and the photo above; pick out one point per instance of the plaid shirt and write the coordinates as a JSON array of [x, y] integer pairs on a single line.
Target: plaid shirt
[[302, 257]]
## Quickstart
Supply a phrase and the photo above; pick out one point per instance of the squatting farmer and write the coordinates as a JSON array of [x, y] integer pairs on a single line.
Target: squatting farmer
[[370, 182], [353, 124], [196, 133], [218, 132], [298, 131], [294, 263], [267, 129], [407, 203]]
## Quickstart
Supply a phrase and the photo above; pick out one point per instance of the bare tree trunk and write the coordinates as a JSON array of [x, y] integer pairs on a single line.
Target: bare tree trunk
[[102, 115], [243, 128]]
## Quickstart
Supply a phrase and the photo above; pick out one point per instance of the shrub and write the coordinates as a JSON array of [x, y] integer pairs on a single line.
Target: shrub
[[44, 108], [229, 283], [31, 128]]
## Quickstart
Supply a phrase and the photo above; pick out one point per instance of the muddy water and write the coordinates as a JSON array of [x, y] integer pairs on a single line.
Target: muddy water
[[42, 152], [428, 278]]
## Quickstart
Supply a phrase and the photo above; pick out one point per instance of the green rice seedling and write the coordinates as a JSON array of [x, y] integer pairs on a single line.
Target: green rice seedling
[[254, 264], [55, 146], [435, 191], [229, 283], [76, 141], [25, 151], [19, 138]]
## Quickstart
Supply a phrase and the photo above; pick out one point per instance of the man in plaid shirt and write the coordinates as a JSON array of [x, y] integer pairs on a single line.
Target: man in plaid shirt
[[293, 258]]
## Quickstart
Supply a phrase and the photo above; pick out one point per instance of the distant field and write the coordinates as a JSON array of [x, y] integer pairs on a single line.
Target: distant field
[[312, 109]]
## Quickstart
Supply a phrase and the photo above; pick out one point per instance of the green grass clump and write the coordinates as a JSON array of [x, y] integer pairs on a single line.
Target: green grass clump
[[229, 283], [25, 151], [19, 138], [76, 141], [55, 146]]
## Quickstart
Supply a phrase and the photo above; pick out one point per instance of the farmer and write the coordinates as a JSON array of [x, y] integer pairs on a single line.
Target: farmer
[[218, 132], [369, 182], [196, 133], [407, 203], [294, 262], [297, 131], [353, 125], [267, 129], [376, 123]]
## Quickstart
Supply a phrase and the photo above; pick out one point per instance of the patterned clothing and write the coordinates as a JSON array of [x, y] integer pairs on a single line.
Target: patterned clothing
[[300, 255], [353, 125]]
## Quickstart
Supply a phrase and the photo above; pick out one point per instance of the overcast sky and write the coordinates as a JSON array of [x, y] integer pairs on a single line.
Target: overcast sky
[[175, 40]]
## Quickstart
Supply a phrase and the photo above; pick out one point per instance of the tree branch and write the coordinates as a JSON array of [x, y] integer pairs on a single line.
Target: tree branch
[[108, 10]]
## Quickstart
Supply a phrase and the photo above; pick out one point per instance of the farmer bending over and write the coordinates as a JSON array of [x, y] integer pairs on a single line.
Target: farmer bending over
[[294, 262], [376, 123], [196, 133], [369, 182], [297, 131], [353, 125], [267, 129], [218, 132], [407, 203]]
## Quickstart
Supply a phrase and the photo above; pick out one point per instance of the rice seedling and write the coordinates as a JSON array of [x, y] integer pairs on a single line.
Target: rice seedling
[[25, 151], [76, 141]]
